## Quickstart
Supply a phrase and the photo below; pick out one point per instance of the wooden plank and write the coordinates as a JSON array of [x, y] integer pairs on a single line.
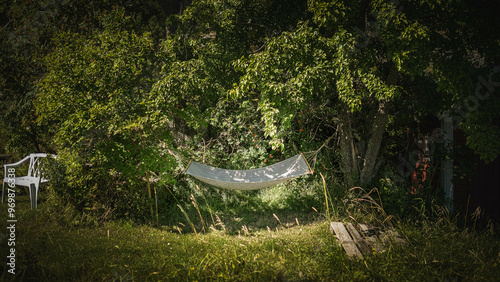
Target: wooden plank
[[364, 229], [371, 237], [384, 238], [345, 240], [396, 237], [360, 242]]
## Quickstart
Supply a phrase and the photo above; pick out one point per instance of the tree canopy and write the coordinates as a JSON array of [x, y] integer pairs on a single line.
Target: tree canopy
[[123, 88]]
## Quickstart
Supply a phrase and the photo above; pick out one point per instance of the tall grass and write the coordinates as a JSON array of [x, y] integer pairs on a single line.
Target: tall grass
[[188, 219], [195, 204], [327, 204], [47, 250], [371, 210], [260, 236]]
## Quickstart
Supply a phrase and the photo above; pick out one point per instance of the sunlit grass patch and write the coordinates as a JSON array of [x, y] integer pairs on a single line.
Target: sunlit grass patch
[[291, 249]]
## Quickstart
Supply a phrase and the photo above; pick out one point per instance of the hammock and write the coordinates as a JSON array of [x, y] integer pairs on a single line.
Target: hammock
[[251, 179]]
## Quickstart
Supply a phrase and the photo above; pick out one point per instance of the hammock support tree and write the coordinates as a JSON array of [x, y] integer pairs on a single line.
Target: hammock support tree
[[251, 179]]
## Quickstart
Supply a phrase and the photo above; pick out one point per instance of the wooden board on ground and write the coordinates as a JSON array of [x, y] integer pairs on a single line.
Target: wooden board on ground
[[370, 235], [345, 240], [396, 237], [360, 242], [364, 240]]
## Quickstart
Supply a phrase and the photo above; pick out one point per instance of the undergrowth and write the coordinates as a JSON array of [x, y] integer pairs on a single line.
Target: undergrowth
[[281, 247]]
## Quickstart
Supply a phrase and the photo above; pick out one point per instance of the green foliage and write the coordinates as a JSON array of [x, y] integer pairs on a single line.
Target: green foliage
[[120, 86], [304, 70], [481, 121], [27, 36], [96, 98], [398, 200], [291, 73], [484, 140]]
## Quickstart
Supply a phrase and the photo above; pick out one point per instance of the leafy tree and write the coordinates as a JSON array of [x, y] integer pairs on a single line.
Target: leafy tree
[[33, 34], [28, 29], [96, 97], [205, 40], [23, 27], [481, 117], [362, 59], [120, 91]]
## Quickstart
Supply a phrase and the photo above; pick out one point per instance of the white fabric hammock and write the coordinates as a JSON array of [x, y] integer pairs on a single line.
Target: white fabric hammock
[[251, 179]]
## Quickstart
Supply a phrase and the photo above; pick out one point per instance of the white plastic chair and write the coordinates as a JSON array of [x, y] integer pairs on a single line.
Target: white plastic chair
[[32, 180]]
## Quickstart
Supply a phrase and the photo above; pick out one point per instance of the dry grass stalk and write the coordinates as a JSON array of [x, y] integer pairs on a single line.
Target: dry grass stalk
[[206, 203], [188, 219], [475, 216], [374, 207], [245, 230], [277, 218], [326, 196], [195, 204], [220, 223]]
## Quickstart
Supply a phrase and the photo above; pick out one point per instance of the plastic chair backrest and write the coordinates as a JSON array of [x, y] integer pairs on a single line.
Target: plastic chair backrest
[[34, 169]]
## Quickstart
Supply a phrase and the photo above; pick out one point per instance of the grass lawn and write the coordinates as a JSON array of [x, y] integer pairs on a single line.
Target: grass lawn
[[48, 250]]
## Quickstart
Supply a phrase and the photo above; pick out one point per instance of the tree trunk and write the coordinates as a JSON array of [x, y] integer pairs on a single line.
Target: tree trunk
[[377, 133], [347, 149], [360, 166], [373, 147]]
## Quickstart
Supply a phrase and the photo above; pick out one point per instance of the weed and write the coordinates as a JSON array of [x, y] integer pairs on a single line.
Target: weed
[[188, 219], [220, 223], [47, 250], [326, 196], [195, 204], [277, 218], [207, 205], [371, 210]]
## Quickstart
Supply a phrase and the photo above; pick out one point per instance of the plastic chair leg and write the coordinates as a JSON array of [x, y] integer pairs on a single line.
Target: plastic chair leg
[[33, 195]]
